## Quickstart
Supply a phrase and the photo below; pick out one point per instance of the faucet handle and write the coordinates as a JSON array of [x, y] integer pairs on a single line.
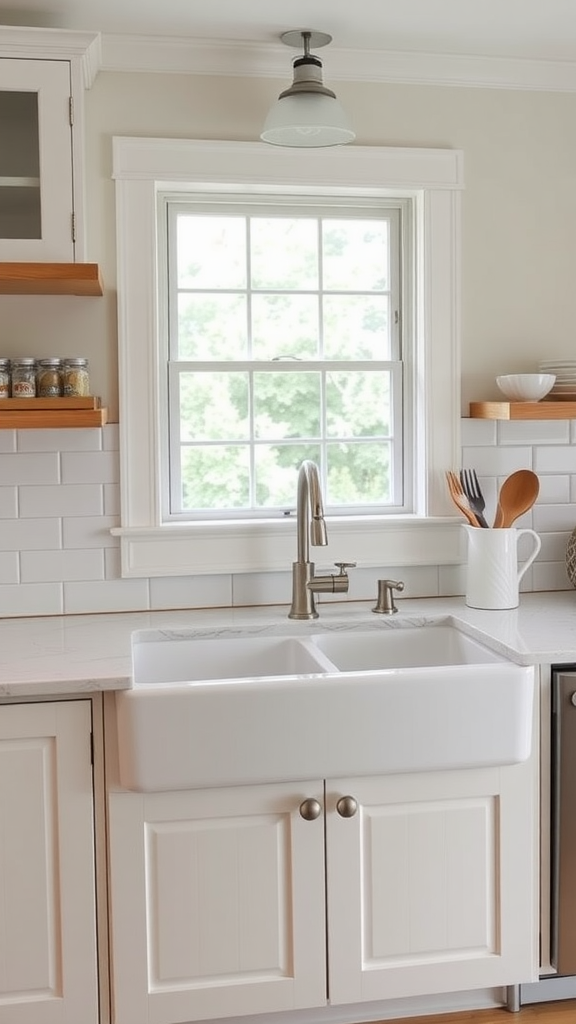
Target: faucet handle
[[343, 566]]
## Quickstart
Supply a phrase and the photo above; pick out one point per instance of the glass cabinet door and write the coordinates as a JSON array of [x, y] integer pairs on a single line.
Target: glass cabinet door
[[20, 206], [36, 196]]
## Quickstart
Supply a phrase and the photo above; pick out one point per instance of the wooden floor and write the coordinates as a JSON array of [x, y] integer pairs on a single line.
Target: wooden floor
[[539, 1013]]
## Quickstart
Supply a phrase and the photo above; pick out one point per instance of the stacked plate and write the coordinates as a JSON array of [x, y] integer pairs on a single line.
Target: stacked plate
[[564, 387]]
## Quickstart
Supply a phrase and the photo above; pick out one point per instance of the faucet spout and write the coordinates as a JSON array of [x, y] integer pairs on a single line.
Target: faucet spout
[[311, 529]]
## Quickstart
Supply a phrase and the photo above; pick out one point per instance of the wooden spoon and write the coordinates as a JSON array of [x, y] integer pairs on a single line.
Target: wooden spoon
[[517, 494]]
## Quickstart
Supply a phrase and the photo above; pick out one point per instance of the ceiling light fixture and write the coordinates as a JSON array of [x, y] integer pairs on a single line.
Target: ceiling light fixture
[[307, 114]]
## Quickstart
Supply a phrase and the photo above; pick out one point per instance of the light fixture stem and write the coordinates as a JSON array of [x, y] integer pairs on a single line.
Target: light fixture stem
[[306, 42]]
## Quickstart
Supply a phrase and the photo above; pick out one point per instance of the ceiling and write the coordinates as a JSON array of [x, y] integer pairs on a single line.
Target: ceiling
[[533, 29]]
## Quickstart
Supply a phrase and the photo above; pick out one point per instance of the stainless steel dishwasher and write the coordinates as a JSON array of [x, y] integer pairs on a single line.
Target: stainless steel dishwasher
[[563, 881]]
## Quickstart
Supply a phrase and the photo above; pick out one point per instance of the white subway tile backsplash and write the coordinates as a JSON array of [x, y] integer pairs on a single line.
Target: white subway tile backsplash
[[555, 459], [43, 566], [111, 499], [261, 588], [497, 461], [89, 532], [9, 567], [550, 576], [65, 500], [7, 440], [19, 468], [90, 467], [110, 437], [478, 432], [60, 496], [533, 432], [554, 518], [105, 596], [554, 489], [191, 592], [30, 534], [8, 502], [31, 599], [55, 440]]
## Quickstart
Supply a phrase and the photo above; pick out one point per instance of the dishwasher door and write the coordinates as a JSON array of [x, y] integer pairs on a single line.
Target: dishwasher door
[[563, 947]]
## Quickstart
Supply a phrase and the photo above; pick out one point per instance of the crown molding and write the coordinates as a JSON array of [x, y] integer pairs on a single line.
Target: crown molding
[[246, 59], [54, 44]]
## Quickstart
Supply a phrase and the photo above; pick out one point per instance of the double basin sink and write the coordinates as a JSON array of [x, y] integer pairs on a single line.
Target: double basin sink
[[271, 703]]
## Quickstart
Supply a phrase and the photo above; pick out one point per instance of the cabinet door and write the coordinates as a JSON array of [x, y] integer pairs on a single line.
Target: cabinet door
[[36, 181], [48, 969], [217, 903], [431, 884]]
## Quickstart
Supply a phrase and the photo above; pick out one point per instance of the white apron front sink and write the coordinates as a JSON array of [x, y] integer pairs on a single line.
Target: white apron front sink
[[234, 707]]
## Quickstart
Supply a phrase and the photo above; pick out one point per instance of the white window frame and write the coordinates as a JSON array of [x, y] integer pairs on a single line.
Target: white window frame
[[433, 181]]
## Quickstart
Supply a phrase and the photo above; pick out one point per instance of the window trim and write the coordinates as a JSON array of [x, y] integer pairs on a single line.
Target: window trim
[[433, 179]]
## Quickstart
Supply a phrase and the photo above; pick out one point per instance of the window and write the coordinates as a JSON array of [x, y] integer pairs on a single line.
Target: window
[[424, 183], [275, 360]]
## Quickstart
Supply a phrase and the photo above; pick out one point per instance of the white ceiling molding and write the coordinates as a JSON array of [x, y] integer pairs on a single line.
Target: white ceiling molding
[[246, 59], [54, 44]]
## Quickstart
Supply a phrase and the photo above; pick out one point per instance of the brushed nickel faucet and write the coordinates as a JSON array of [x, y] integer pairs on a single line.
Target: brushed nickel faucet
[[311, 529]]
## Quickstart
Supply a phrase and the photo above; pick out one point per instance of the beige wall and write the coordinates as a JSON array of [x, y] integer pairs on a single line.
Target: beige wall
[[518, 212]]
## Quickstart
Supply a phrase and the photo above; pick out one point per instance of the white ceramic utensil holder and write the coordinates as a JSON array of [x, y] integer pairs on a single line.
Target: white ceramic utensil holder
[[492, 572]]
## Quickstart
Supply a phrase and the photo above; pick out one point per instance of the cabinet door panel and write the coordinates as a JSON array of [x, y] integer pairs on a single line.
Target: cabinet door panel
[[47, 909], [217, 903], [36, 184], [431, 885]]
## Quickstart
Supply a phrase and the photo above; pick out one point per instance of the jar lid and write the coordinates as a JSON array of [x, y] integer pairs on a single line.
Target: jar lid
[[23, 361], [74, 361], [52, 361]]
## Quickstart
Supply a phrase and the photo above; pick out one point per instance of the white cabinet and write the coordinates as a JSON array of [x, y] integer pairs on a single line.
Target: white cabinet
[[48, 972], [218, 896], [42, 80]]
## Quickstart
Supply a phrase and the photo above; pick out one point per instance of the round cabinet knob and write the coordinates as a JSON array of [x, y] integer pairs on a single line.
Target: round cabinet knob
[[310, 809], [573, 699], [347, 807]]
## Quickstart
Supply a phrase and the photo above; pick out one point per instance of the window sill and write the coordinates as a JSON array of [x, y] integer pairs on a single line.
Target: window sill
[[270, 545]]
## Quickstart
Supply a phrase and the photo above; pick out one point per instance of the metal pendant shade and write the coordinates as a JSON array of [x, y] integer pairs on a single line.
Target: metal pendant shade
[[307, 114]]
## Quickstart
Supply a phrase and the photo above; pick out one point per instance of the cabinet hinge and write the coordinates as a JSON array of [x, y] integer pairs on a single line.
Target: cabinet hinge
[[71, 110], [92, 749], [73, 218]]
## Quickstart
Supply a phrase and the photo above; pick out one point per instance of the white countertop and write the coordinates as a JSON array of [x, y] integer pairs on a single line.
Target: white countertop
[[83, 653]]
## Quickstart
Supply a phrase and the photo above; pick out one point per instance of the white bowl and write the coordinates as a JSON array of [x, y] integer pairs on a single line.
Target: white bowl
[[525, 387]]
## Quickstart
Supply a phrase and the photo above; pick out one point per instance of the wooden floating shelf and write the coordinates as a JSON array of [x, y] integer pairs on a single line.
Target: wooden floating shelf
[[50, 279], [46, 413], [544, 410]]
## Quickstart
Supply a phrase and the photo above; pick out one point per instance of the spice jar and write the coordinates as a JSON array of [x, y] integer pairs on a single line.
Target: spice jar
[[49, 378], [75, 378], [23, 378], [4, 378]]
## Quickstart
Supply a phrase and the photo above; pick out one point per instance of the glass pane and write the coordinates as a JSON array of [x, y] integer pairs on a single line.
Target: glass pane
[[284, 253], [211, 251], [356, 327], [213, 406], [211, 326], [276, 468], [215, 477], [20, 212], [286, 405], [284, 326], [358, 404], [359, 473], [355, 255]]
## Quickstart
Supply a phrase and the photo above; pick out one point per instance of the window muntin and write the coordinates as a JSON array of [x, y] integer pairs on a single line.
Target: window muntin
[[277, 358]]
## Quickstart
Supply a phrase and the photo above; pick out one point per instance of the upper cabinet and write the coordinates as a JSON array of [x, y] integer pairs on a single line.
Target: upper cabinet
[[43, 76]]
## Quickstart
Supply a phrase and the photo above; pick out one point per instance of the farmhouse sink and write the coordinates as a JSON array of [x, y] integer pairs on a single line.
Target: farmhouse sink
[[234, 707]]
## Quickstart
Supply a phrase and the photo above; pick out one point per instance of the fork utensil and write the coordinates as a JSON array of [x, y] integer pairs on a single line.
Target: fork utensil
[[459, 498], [473, 492]]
